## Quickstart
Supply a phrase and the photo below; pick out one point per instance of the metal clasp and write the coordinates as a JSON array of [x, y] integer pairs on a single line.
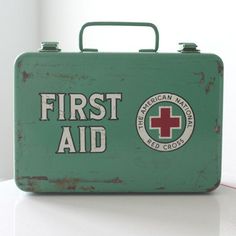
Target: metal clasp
[[188, 47], [49, 47]]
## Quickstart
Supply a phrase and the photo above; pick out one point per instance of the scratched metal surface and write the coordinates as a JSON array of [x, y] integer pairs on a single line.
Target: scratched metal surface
[[127, 164]]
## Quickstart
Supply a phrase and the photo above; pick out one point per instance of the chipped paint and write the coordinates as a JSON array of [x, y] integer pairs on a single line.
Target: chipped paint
[[74, 183], [206, 85], [71, 187], [217, 127], [220, 68], [116, 180], [201, 77], [32, 177], [66, 183], [210, 85], [67, 76], [30, 183], [161, 188], [81, 180], [25, 76], [214, 187], [87, 188], [19, 135]]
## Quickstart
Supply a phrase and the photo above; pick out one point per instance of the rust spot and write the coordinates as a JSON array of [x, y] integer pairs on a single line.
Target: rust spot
[[66, 183], [116, 180], [73, 187], [31, 185], [25, 76], [220, 68], [210, 85], [207, 86], [217, 128]]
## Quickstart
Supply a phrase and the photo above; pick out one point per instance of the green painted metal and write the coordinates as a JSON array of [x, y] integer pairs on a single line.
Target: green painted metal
[[118, 122]]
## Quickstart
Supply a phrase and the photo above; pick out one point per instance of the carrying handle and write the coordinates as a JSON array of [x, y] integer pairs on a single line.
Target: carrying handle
[[107, 23]]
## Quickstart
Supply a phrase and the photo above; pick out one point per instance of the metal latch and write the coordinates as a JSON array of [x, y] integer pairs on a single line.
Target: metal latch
[[188, 47], [49, 47]]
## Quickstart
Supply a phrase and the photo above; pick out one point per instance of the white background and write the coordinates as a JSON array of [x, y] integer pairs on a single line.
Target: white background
[[25, 23]]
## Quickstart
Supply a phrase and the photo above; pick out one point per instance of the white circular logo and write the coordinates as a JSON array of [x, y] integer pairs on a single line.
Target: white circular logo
[[165, 122]]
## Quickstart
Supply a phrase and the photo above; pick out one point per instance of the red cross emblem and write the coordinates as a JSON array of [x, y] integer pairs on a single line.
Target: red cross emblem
[[165, 122]]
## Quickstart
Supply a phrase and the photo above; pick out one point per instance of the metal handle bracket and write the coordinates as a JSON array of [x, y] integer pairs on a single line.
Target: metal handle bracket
[[102, 23]]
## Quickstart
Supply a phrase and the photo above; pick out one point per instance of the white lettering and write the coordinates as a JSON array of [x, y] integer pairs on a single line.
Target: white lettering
[[102, 133], [114, 97], [77, 108], [98, 106], [61, 106], [66, 141], [82, 139], [45, 106]]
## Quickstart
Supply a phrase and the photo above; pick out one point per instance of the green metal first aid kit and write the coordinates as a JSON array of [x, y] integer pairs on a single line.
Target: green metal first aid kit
[[95, 122]]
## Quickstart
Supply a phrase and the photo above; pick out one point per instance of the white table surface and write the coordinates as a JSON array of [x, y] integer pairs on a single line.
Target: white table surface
[[24, 214]]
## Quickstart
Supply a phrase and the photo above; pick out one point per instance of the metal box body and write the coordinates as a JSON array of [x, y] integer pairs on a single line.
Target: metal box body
[[92, 122]]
